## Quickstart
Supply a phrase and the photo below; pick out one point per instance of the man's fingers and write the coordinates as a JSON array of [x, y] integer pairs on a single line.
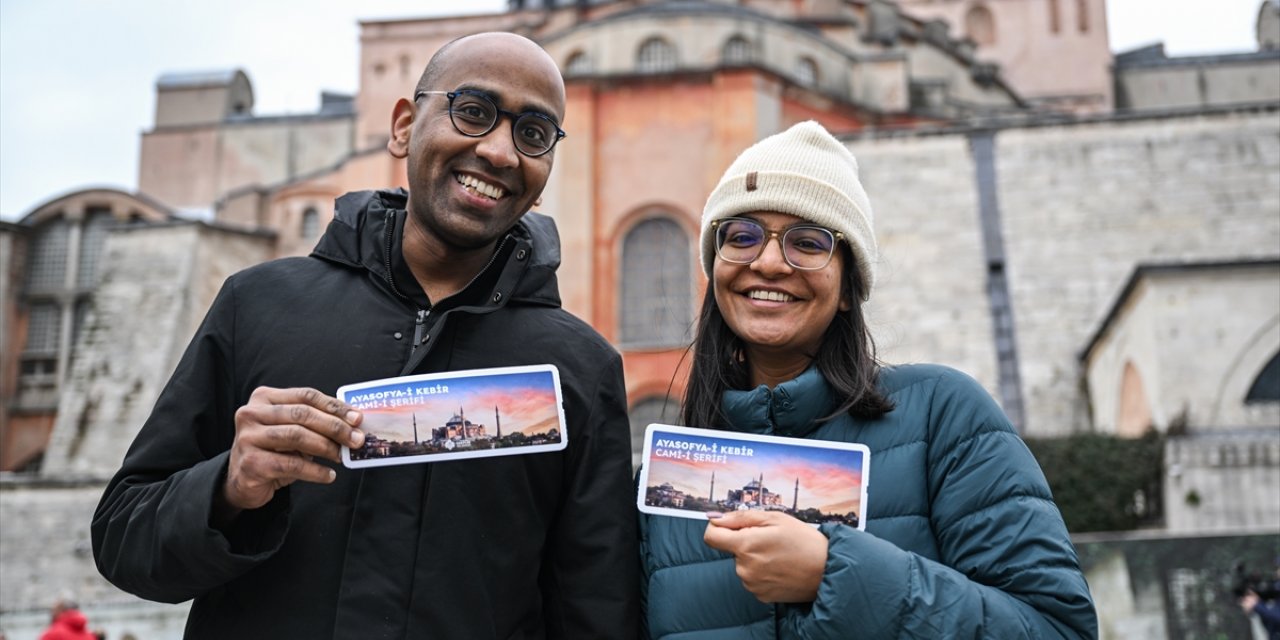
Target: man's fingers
[[325, 424], [269, 468], [310, 397], [253, 480], [308, 408], [293, 439]]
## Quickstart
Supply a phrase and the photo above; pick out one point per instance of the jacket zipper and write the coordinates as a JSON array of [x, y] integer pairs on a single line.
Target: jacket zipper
[[492, 259], [390, 224], [415, 359], [420, 325]]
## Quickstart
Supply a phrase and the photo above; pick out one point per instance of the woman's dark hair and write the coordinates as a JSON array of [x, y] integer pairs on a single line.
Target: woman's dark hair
[[846, 359]]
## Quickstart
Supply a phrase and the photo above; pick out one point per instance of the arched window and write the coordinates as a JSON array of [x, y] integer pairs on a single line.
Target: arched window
[[807, 72], [578, 63], [659, 409], [656, 297], [1082, 15], [655, 56], [1266, 387], [980, 26], [737, 50], [310, 223], [1055, 16], [1134, 416]]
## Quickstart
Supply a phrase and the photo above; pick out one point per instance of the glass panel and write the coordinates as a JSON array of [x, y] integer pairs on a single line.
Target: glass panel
[[38, 377], [310, 223], [47, 257], [656, 298], [42, 329], [1266, 387], [578, 63], [656, 56], [807, 72], [737, 50]]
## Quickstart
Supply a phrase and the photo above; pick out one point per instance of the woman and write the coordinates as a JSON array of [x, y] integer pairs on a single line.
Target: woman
[[962, 537]]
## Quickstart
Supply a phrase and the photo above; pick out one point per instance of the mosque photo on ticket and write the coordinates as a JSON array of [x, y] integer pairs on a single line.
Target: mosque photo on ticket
[[458, 415], [690, 472]]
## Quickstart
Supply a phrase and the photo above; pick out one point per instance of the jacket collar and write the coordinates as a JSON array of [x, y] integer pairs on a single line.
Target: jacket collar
[[789, 409], [366, 233]]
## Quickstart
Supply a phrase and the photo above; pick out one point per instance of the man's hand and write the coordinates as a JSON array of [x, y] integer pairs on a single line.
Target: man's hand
[[277, 435], [778, 558]]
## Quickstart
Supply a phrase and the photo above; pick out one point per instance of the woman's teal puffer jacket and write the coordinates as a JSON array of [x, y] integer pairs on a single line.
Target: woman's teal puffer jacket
[[962, 538]]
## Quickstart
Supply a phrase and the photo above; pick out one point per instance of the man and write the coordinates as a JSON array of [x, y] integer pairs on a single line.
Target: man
[[231, 495]]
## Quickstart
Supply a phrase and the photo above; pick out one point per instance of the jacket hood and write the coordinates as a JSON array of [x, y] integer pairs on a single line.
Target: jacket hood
[[366, 229]]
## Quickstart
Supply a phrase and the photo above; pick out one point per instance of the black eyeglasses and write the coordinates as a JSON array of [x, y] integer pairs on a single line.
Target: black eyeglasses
[[474, 115], [805, 247]]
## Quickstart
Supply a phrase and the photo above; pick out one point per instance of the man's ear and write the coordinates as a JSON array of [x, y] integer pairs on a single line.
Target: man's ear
[[401, 124]]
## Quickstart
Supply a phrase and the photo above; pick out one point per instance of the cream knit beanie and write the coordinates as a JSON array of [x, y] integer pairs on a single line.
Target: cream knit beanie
[[807, 173]]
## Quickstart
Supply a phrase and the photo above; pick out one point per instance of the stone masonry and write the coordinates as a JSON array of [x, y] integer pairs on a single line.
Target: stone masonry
[[1082, 205]]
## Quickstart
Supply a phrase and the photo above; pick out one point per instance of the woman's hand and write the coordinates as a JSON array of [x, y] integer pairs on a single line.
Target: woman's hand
[[778, 558]]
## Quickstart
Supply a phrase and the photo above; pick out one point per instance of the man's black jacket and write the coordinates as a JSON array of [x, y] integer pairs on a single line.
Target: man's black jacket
[[527, 546]]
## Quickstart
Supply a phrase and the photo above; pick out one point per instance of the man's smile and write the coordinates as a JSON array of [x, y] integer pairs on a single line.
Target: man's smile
[[480, 187]]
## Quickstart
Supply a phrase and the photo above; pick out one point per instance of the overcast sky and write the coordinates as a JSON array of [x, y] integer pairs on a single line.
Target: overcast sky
[[77, 77]]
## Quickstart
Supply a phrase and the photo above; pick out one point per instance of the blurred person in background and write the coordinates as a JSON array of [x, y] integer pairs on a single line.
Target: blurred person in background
[[67, 623]]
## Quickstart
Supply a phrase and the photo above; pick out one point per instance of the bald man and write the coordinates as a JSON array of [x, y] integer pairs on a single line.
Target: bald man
[[233, 494]]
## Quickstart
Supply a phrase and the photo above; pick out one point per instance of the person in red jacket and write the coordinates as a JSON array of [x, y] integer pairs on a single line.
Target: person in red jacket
[[67, 623]]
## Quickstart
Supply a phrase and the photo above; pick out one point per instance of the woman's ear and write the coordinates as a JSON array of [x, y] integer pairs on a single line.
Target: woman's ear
[[401, 125]]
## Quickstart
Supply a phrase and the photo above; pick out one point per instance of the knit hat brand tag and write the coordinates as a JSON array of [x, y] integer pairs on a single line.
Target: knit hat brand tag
[[751, 180]]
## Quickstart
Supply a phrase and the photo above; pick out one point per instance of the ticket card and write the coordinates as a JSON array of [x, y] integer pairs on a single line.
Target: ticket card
[[689, 472], [476, 413]]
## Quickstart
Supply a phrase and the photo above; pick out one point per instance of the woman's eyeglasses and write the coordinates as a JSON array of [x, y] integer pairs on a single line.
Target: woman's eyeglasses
[[805, 247], [474, 115]]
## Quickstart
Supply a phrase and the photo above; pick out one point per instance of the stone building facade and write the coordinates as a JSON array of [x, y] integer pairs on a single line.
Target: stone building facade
[[1025, 38], [1009, 232]]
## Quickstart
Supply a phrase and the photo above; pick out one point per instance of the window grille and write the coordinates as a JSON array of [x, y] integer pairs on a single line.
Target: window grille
[[310, 223], [47, 258], [656, 297], [656, 56], [43, 326], [38, 369], [807, 72], [737, 50], [578, 63]]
